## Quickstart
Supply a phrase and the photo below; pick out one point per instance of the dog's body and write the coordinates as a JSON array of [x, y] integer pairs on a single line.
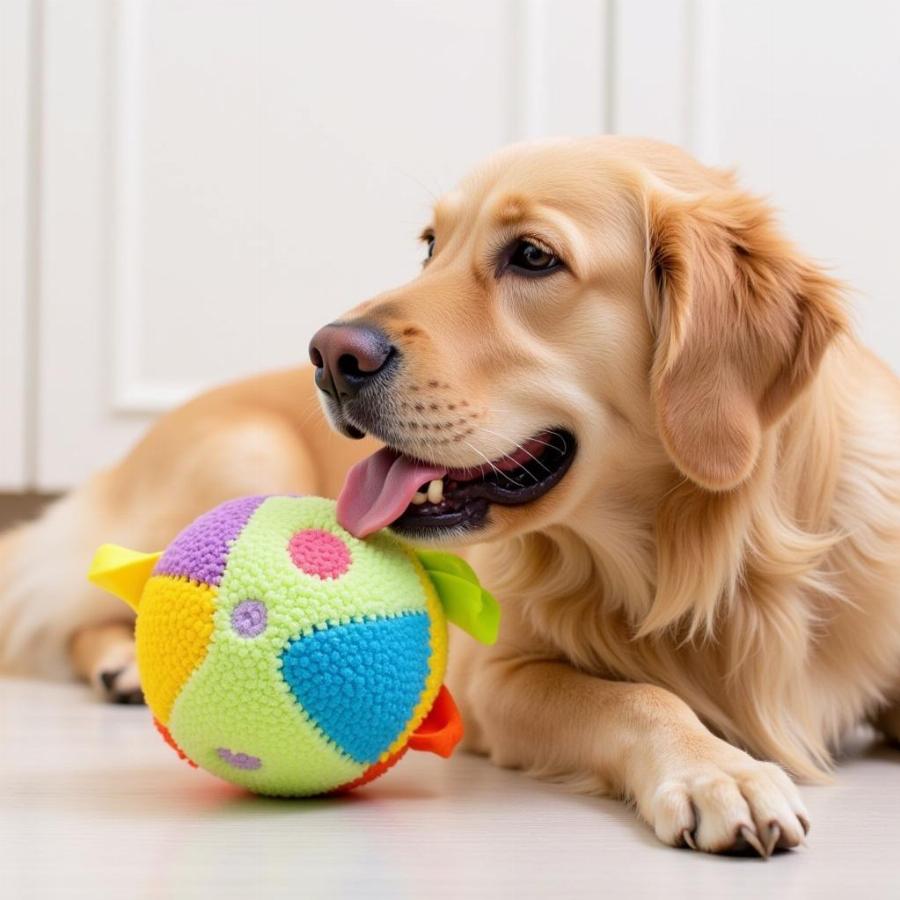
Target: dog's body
[[720, 568]]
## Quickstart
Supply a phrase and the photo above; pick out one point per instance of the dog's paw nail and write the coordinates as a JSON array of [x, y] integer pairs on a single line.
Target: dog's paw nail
[[108, 678], [804, 821], [129, 698], [117, 687], [773, 837], [688, 838], [752, 839]]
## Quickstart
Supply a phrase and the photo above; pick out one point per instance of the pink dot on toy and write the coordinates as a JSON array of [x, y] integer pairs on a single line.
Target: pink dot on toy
[[319, 553]]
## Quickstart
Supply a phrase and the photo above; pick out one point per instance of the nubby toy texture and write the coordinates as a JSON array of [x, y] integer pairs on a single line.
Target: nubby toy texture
[[284, 655]]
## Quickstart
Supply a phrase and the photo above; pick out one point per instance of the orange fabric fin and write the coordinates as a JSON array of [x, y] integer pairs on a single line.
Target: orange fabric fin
[[442, 728]]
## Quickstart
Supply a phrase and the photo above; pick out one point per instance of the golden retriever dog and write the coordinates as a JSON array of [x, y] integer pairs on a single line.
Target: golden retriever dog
[[647, 412]]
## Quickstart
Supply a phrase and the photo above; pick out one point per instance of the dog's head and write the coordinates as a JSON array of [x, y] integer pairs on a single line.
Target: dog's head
[[591, 315]]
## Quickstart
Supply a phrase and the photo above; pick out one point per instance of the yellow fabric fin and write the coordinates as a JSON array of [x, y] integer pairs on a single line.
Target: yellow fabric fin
[[122, 572]]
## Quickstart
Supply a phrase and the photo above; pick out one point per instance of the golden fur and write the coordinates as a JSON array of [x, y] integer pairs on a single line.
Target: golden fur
[[718, 570]]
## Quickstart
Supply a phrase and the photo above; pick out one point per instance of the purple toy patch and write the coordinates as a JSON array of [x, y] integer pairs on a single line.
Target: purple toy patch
[[238, 760], [200, 552], [249, 617]]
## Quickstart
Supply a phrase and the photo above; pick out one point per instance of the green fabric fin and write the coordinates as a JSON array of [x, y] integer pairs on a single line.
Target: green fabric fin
[[466, 603], [437, 561]]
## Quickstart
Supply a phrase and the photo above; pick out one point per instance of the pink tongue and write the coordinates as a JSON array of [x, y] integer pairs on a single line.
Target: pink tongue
[[378, 490]]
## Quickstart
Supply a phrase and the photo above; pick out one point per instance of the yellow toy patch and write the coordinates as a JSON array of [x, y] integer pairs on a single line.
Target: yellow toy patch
[[172, 637]]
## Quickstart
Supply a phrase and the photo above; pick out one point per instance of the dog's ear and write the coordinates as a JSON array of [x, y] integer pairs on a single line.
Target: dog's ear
[[741, 321]]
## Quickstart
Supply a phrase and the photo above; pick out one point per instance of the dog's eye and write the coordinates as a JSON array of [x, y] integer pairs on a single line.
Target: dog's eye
[[528, 256]]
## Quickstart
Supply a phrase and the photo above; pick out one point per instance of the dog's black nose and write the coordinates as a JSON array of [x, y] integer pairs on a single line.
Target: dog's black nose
[[346, 357]]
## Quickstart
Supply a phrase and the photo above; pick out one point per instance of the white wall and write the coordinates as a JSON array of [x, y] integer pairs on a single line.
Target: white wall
[[197, 185]]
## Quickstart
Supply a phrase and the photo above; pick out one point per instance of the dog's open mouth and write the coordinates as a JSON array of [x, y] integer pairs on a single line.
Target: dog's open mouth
[[423, 500]]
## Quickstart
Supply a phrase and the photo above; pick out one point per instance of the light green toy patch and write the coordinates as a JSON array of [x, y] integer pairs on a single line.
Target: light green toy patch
[[242, 705], [237, 700], [466, 603], [381, 581]]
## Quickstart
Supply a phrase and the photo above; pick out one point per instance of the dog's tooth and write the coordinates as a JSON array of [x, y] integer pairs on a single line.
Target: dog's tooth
[[435, 491], [419, 498]]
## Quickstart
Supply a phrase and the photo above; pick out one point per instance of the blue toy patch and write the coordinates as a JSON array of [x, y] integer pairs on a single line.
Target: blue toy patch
[[361, 682]]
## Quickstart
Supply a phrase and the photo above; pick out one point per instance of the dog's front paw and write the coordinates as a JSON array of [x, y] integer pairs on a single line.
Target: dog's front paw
[[726, 801], [115, 675]]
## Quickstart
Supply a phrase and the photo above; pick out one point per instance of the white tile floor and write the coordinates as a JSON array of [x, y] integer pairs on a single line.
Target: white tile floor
[[93, 804]]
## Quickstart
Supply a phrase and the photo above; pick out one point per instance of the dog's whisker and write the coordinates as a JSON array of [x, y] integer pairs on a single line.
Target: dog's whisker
[[498, 471], [519, 447], [562, 437], [520, 466], [552, 432]]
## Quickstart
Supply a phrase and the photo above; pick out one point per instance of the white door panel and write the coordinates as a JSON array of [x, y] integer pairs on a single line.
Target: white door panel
[[15, 60]]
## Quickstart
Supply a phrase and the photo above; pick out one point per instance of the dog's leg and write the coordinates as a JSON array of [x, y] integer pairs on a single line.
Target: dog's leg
[[45, 598], [636, 741], [103, 656]]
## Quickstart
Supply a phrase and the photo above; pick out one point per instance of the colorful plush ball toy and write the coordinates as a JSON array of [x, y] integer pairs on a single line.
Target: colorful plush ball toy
[[284, 655]]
